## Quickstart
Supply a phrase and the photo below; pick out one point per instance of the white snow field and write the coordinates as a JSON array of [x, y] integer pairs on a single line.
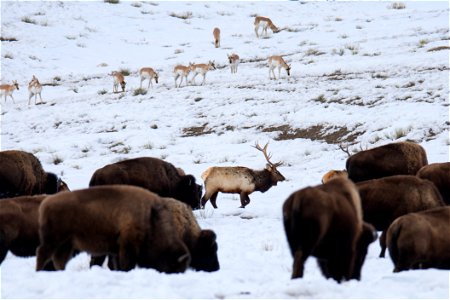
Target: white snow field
[[363, 74]]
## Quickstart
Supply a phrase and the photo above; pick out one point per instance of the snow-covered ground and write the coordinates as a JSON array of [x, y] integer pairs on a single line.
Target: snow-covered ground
[[362, 75]]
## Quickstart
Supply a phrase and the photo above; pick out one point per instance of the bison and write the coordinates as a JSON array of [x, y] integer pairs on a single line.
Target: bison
[[127, 222], [385, 199], [439, 174], [21, 174], [240, 180], [402, 158], [420, 240], [325, 221], [153, 174], [201, 243]]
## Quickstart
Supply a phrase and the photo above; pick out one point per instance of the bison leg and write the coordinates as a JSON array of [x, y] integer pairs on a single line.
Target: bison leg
[[97, 261], [245, 199], [44, 255], [62, 255], [213, 199], [3, 252], [299, 264], [383, 243]]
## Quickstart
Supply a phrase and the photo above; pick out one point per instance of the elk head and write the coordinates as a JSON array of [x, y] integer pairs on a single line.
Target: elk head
[[271, 167]]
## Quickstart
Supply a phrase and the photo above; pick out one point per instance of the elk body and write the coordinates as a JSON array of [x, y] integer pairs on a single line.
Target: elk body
[[233, 59], [8, 89], [265, 23], [277, 61], [150, 74], [34, 89], [216, 34], [183, 72], [201, 69], [240, 180], [439, 174], [118, 78]]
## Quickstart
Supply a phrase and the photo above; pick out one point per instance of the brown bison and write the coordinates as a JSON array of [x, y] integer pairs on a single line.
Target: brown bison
[[201, 243], [403, 158], [439, 174], [325, 221], [240, 180], [19, 226], [21, 174], [385, 199], [420, 240], [126, 222], [153, 174]]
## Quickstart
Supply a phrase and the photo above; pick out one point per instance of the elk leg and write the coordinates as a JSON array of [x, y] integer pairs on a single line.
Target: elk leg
[[383, 243], [213, 199], [244, 199]]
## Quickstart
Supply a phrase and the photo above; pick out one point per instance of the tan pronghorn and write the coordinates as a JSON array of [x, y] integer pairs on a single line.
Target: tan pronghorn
[[234, 62], [8, 89], [118, 79], [216, 33], [150, 74], [181, 71], [264, 23], [34, 89], [277, 61], [201, 69]]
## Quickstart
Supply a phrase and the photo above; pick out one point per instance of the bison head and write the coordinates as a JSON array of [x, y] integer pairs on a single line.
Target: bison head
[[189, 192], [368, 235], [204, 255]]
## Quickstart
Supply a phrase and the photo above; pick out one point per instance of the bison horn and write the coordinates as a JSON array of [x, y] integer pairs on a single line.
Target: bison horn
[[183, 258]]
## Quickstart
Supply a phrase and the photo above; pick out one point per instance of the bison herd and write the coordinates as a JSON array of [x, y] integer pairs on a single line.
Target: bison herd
[[139, 212]]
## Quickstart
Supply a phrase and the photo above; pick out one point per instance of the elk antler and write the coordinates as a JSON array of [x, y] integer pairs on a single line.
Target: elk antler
[[267, 156], [345, 150]]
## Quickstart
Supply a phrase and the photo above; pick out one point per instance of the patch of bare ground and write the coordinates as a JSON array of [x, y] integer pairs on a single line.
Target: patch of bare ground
[[328, 133], [197, 130], [439, 48]]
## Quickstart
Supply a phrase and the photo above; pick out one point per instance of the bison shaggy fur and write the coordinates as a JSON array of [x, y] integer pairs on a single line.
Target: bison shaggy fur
[[385, 199], [325, 221], [439, 174], [402, 158], [420, 240], [153, 174], [21, 174], [126, 222]]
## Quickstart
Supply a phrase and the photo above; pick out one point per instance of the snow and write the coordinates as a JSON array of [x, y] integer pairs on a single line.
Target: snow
[[375, 83]]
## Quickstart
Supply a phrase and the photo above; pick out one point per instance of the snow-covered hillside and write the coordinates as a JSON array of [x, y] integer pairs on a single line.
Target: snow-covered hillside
[[363, 74]]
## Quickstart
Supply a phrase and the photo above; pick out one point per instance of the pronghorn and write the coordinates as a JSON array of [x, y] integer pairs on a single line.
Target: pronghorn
[[203, 69], [216, 33], [264, 22], [118, 79], [277, 61], [8, 89], [182, 71], [234, 62], [34, 89], [148, 73]]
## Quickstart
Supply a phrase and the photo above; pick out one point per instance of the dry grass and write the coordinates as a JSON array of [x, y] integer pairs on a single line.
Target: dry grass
[[183, 15], [439, 48]]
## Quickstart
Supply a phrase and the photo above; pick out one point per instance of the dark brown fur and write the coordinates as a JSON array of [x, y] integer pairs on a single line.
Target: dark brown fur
[[385, 199], [325, 221], [439, 174], [403, 158], [420, 240], [123, 221], [153, 174], [21, 174]]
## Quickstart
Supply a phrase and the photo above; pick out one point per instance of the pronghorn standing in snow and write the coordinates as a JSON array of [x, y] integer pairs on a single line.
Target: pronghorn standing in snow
[[181, 71], [8, 89], [118, 79], [277, 61], [201, 69], [234, 62], [150, 74], [264, 22], [216, 33], [34, 89]]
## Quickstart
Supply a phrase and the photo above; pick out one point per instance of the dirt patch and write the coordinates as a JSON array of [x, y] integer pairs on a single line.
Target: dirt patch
[[330, 134], [197, 130]]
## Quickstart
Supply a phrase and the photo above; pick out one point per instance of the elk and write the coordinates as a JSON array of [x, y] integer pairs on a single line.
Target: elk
[[216, 34], [234, 62], [277, 61], [8, 89], [264, 22], [181, 71], [150, 74], [34, 89], [240, 180], [118, 79], [201, 69]]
